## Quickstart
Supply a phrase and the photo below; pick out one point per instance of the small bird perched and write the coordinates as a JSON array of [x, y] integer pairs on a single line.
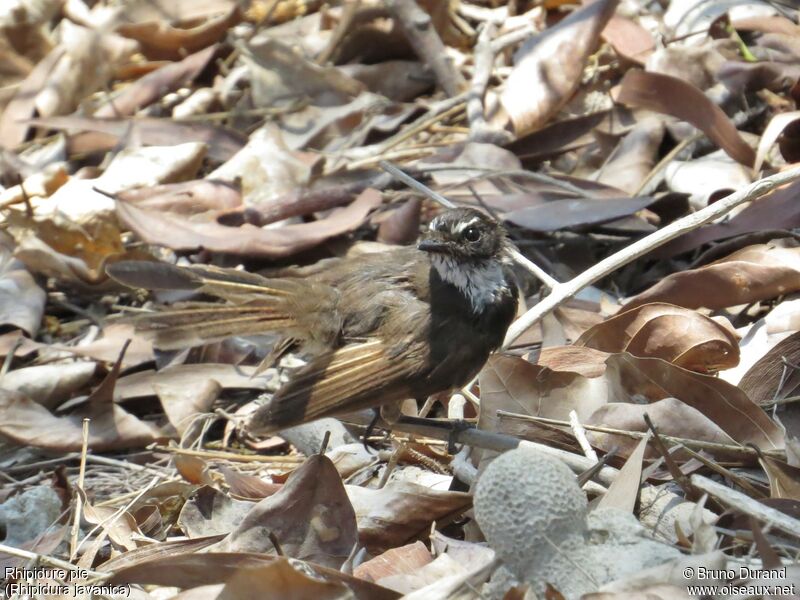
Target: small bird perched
[[381, 328]]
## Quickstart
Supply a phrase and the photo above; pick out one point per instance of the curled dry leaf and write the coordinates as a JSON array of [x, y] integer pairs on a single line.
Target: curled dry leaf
[[672, 96], [755, 273], [549, 67], [659, 330], [771, 378]]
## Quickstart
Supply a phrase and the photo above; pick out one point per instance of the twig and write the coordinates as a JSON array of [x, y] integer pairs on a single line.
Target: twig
[[76, 523], [580, 434], [48, 560], [689, 443], [418, 28], [564, 291], [480, 130], [747, 505], [211, 454]]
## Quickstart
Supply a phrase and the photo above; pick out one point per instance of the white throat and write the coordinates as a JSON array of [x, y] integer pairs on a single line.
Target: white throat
[[482, 283]]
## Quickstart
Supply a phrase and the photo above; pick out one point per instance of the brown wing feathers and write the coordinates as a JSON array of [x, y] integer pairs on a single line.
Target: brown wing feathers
[[352, 378]]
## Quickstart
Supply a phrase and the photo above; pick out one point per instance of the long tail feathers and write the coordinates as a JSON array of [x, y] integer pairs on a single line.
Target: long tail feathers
[[257, 303]]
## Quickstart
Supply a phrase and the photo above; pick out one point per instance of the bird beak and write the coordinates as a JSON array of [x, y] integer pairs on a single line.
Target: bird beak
[[432, 245]]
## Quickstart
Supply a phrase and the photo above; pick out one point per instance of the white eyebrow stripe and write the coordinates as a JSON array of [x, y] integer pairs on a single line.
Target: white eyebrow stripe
[[462, 226]]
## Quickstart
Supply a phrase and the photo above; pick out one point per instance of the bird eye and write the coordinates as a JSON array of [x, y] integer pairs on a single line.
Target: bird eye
[[471, 234]]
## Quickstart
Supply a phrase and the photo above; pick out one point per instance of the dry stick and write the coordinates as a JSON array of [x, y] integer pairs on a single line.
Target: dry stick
[[479, 129], [745, 451], [43, 559], [747, 505], [426, 43], [562, 292], [76, 523]]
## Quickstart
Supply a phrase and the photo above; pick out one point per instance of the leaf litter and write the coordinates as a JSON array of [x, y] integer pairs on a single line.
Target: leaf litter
[[250, 134]]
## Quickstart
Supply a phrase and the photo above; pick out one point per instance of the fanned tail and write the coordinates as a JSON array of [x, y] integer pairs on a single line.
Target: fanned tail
[[255, 304]]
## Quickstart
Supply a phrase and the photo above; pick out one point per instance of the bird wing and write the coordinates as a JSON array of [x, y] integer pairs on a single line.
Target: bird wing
[[351, 378]]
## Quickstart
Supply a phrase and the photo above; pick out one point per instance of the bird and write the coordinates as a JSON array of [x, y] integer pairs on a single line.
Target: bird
[[379, 328]]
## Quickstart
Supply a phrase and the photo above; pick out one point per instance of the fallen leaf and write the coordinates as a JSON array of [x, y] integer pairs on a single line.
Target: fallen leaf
[[174, 231], [160, 39], [22, 301], [549, 67], [758, 272], [672, 96], [311, 517], [222, 143], [658, 330], [111, 428], [154, 85]]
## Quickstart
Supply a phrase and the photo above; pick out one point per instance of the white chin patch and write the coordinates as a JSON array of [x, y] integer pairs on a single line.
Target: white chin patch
[[482, 284]]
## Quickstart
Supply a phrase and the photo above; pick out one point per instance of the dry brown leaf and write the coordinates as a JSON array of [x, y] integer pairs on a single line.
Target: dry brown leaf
[[160, 39], [395, 561], [770, 378], [515, 385], [311, 518], [659, 330], [13, 125], [672, 96], [144, 383], [281, 580], [784, 479], [188, 198], [111, 428], [189, 570], [630, 40], [265, 168], [174, 231], [49, 385], [193, 469], [624, 490], [669, 415], [154, 85], [222, 143], [755, 273], [399, 511], [549, 67], [724, 404], [183, 404], [777, 210], [22, 301]]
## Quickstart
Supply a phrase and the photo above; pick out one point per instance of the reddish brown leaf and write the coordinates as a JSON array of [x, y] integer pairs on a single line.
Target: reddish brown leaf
[[658, 330], [759, 272], [173, 230], [154, 85], [671, 96]]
